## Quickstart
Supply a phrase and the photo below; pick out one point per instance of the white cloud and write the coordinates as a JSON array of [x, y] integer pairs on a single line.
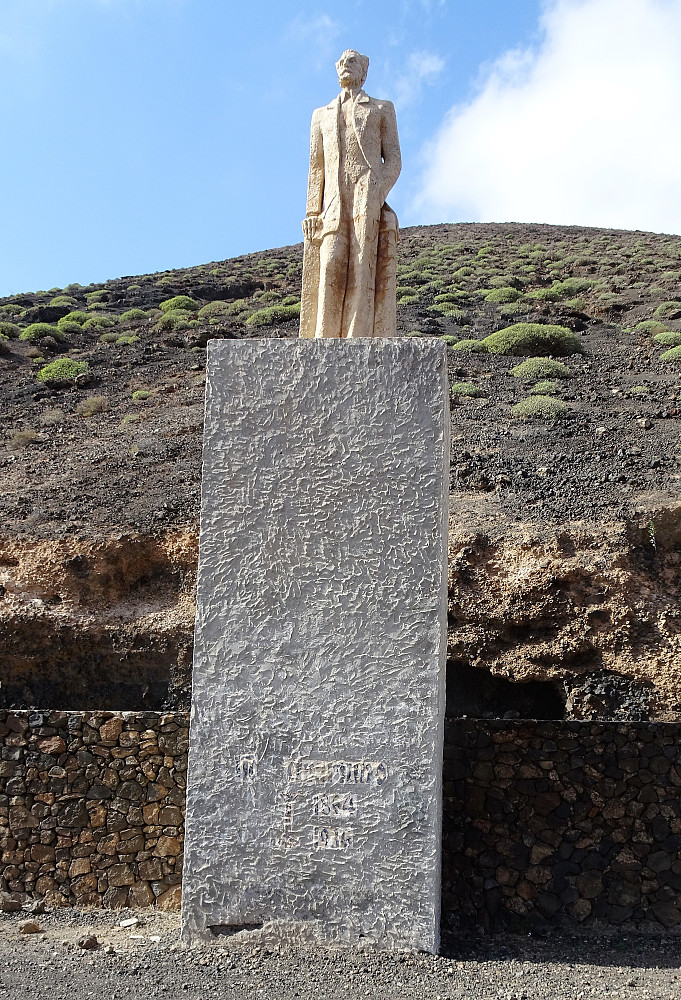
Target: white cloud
[[584, 129], [319, 34], [422, 68]]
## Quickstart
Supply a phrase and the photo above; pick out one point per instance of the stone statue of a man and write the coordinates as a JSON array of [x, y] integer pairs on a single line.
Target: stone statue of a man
[[350, 232]]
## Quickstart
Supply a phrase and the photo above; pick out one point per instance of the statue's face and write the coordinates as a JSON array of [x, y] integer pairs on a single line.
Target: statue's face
[[350, 69]]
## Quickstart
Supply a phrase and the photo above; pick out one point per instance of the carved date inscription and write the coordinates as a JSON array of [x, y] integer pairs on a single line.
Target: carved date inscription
[[331, 838]]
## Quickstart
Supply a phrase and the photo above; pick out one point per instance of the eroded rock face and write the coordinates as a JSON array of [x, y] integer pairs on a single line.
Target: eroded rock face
[[97, 623], [592, 608]]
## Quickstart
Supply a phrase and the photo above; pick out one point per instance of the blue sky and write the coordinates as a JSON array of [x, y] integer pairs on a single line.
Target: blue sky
[[140, 135]]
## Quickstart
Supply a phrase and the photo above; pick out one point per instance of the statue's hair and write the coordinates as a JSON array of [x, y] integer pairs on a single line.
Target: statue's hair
[[364, 63]]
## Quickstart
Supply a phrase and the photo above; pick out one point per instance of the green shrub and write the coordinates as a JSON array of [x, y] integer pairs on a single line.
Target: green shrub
[[173, 321], [673, 355], [668, 310], [109, 338], [238, 306], [273, 314], [92, 405], [63, 300], [406, 290], [535, 368], [545, 387], [469, 389], [9, 330], [519, 308], [130, 315], [95, 323], [651, 326], [572, 286], [180, 302], [93, 298], [216, 308], [62, 369], [533, 338], [66, 322], [12, 309], [639, 390], [545, 294], [134, 288], [449, 341], [407, 300], [671, 338], [141, 394], [126, 339], [579, 305], [69, 328], [502, 295], [474, 346], [542, 407], [37, 330]]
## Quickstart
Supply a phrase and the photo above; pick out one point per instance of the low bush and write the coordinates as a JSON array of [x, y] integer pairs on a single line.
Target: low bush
[[95, 323], [540, 407], [141, 394], [37, 330], [535, 368], [639, 390], [76, 316], [273, 314], [533, 339], [110, 337], [545, 387], [545, 294], [502, 295], [63, 300], [670, 338], [474, 346], [92, 405], [180, 302], [173, 321], [10, 331], [53, 417], [651, 326], [131, 315], [519, 308], [126, 339], [67, 327], [668, 310], [407, 300], [63, 369], [94, 298], [216, 308], [291, 300], [12, 309], [468, 389], [673, 355], [449, 340], [22, 438]]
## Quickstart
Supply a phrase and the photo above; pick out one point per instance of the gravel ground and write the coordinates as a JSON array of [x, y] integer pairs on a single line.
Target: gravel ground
[[147, 961]]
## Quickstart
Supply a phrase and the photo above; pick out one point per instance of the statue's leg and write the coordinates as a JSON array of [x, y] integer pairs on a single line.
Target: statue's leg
[[333, 270], [358, 312], [385, 310]]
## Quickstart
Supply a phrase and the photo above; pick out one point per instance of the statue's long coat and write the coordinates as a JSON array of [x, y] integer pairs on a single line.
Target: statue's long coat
[[376, 131]]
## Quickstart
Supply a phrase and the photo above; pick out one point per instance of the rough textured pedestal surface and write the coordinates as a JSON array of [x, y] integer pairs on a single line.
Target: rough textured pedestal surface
[[315, 771]]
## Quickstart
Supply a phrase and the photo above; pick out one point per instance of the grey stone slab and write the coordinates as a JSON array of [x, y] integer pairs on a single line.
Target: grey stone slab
[[315, 773]]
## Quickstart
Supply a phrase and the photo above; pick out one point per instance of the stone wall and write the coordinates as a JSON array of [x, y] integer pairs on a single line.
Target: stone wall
[[92, 807], [565, 823], [545, 823]]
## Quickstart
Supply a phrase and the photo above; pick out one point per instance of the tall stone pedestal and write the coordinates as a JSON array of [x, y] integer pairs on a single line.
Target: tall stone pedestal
[[315, 772]]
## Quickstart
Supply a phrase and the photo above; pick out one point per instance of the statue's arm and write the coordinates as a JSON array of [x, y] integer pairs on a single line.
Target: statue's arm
[[315, 180], [390, 149]]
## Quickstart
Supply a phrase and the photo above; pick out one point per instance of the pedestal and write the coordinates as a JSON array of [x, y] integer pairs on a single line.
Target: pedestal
[[315, 772]]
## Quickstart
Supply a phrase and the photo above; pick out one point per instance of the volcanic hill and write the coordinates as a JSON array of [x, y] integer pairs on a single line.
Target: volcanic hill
[[565, 533]]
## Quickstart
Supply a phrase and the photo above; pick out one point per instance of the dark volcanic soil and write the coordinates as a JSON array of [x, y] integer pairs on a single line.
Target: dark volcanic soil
[[566, 534]]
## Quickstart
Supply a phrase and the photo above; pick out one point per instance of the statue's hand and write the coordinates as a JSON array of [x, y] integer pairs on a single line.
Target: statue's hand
[[310, 225]]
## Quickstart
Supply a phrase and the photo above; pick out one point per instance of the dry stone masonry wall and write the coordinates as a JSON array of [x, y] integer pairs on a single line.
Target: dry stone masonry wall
[[568, 823], [545, 823], [92, 807]]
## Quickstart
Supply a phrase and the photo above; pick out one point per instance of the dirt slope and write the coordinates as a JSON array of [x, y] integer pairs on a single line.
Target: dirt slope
[[565, 534]]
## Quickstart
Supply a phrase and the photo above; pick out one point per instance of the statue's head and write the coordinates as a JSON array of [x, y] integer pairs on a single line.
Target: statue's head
[[352, 68]]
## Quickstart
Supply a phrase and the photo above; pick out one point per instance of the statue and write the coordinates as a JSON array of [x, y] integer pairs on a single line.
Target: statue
[[350, 232]]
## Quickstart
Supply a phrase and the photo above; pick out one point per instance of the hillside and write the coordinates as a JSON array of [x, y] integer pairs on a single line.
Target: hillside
[[565, 532]]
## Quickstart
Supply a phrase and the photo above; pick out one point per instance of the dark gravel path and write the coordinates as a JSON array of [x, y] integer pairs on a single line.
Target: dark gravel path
[[147, 961]]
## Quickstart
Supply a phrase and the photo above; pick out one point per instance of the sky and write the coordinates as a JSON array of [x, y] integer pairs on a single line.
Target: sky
[[142, 135]]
